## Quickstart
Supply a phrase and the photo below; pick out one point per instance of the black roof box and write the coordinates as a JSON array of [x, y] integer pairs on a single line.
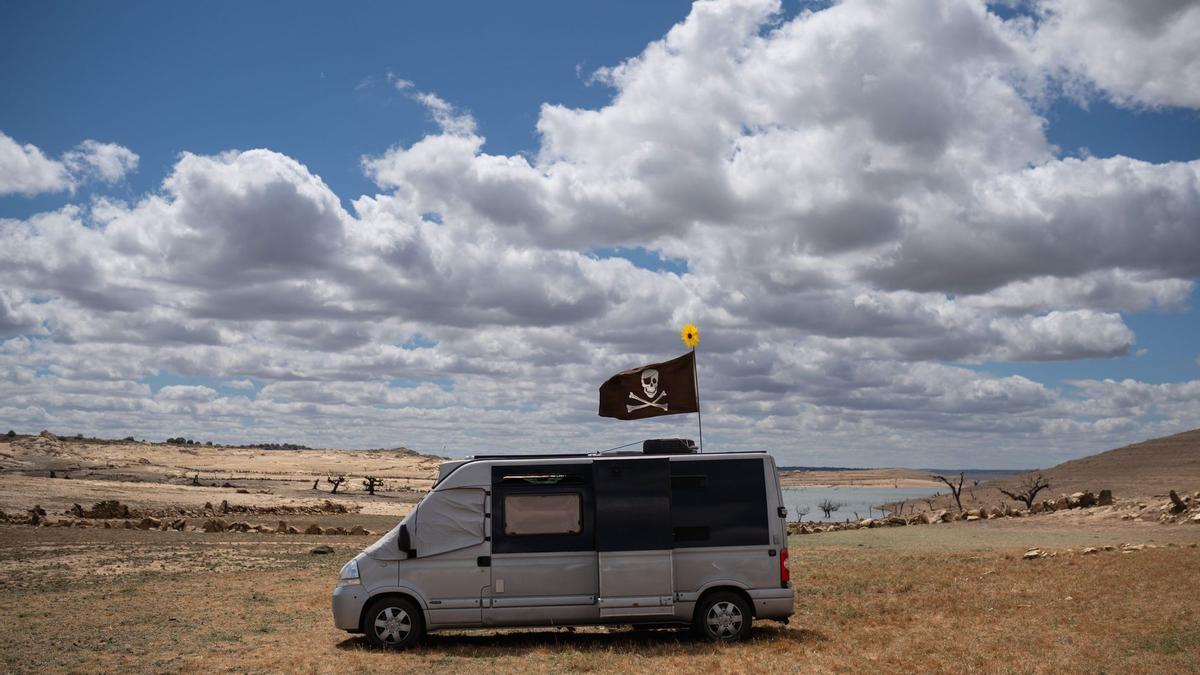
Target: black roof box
[[668, 446]]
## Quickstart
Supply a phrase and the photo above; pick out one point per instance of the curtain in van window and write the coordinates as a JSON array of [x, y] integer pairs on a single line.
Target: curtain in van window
[[448, 520], [542, 514]]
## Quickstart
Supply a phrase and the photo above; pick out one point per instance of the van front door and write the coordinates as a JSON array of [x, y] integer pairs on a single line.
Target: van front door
[[634, 538], [543, 546], [450, 540]]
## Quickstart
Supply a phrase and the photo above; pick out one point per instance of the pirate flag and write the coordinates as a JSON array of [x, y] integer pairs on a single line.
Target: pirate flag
[[667, 388]]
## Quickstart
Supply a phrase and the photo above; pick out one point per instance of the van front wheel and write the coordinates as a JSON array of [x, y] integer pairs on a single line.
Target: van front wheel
[[393, 623], [722, 617]]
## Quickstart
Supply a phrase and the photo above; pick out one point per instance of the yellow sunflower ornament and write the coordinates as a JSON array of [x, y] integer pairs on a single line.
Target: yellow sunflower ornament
[[690, 335]]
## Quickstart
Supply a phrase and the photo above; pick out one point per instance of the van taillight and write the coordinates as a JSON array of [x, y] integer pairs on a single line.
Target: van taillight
[[785, 575]]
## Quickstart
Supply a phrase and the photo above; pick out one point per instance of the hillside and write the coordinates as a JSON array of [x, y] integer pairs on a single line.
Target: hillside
[[1142, 470], [58, 472]]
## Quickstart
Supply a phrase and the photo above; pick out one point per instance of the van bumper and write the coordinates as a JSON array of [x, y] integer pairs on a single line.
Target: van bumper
[[773, 603], [348, 604]]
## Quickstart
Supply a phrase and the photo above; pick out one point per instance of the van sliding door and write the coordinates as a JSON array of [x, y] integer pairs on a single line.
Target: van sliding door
[[633, 537]]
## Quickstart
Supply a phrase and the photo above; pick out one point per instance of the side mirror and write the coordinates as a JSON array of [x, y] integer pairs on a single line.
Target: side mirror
[[405, 541]]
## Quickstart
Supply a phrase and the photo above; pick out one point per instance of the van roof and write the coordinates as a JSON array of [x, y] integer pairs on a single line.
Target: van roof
[[599, 456]]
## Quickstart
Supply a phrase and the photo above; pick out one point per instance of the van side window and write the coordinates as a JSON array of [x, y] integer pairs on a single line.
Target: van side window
[[529, 514], [719, 502]]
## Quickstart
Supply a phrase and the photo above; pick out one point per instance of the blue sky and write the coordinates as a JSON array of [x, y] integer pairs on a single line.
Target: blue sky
[[316, 83]]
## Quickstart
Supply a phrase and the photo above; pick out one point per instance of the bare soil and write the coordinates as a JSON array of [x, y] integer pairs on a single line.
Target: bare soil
[[157, 478]]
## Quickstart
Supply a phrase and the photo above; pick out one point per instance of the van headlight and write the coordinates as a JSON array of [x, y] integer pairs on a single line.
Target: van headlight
[[349, 575]]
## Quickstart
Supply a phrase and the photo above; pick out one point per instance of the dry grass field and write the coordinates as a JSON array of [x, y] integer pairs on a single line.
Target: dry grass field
[[957, 598]]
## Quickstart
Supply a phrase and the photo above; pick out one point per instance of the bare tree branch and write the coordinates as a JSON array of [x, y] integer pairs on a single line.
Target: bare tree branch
[[956, 490], [1027, 491]]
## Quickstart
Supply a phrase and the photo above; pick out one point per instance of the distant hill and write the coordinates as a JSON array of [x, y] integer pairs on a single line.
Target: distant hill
[[1144, 469]]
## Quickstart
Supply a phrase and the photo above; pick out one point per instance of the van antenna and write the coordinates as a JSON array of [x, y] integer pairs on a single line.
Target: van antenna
[[602, 452]]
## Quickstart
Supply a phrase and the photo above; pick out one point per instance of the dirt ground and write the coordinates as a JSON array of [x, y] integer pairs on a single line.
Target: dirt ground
[[157, 478], [954, 597]]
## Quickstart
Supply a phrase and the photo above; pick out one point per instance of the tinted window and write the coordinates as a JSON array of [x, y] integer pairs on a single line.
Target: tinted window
[[720, 502], [633, 504]]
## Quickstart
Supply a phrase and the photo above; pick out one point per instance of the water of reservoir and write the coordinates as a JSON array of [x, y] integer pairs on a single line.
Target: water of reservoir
[[863, 500]]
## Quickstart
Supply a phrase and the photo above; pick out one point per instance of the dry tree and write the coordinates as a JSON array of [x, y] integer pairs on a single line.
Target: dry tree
[[828, 506], [335, 482], [956, 490], [1027, 490], [371, 483], [801, 511]]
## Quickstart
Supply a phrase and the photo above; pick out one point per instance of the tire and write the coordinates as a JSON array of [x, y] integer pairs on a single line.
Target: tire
[[722, 617], [393, 623]]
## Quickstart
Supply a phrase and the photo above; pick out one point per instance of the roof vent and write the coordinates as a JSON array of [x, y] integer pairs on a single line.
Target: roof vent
[[668, 446]]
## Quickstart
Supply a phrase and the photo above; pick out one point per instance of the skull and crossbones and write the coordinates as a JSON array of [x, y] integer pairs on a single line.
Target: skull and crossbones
[[649, 379]]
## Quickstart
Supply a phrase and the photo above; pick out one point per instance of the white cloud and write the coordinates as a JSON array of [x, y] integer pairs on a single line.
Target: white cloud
[[107, 162], [1141, 53], [26, 170], [864, 196]]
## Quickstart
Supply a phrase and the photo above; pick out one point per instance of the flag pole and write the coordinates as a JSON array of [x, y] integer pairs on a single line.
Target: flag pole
[[696, 380]]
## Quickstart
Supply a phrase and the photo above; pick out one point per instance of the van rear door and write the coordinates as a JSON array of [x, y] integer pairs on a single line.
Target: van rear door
[[633, 537]]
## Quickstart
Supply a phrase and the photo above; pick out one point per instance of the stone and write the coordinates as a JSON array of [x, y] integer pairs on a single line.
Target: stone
[[213, 525], [292, 530], [1090, 550], [972, 518], [179, 524], [1037, 507], [1195, 518], [1105, 498], [358, 530], [1087, 499], [282, 527], [1032, 553], [946, 516], [1063, 502], [321, 550], [148, 523], [996, 512], [314, 529]]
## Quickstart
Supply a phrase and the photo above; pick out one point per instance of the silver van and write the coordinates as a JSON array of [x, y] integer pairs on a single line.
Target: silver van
[[665, 536]]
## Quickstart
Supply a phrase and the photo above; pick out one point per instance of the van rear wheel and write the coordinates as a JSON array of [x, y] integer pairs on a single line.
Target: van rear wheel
[[722, 617], [393, 623]]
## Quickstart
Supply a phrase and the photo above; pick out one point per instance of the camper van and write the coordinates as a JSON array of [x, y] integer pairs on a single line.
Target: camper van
[[665, 536]]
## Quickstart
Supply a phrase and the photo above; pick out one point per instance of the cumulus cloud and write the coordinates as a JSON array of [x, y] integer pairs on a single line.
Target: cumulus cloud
[[1140, 53], [26, 170], [863, 194]]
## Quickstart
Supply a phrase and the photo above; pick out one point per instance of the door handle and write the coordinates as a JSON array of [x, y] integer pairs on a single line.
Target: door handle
[[484, 561]]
